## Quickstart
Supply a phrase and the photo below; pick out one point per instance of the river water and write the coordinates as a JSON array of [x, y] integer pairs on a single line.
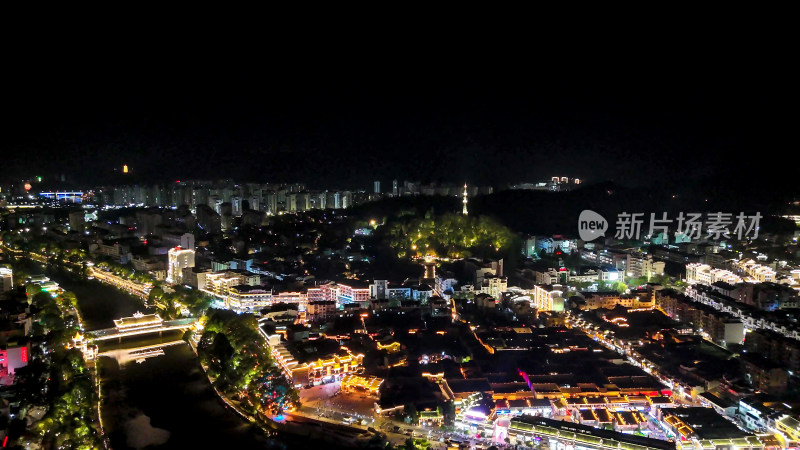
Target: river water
[[164, 402]]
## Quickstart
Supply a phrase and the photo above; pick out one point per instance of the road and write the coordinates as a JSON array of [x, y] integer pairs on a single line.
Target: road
[[635, 359]]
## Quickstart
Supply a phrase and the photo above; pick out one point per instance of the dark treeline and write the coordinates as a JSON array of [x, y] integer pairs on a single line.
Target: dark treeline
[[547, 213]]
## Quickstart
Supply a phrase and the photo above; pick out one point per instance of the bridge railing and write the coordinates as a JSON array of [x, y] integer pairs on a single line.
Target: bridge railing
[[108, 333]]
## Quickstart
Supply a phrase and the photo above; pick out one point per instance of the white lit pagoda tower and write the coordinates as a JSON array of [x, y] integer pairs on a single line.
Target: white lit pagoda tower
[[464, 201]]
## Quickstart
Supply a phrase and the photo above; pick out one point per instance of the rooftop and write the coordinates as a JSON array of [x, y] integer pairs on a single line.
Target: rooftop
[[581, 432], [704, 423]]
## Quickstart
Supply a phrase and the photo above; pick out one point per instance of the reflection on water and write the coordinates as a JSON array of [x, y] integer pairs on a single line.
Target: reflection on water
[[140, 433], [167, 402], [139, 350], [99, 303], [160, 401]]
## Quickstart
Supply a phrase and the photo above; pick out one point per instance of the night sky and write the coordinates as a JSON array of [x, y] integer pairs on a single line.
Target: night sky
[[343, 122]]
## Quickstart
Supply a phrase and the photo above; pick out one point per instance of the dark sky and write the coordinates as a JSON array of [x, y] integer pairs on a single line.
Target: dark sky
[[341, 121]]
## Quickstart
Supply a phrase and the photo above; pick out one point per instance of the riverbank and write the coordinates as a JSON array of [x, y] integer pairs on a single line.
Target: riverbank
[[62, 369], [167, 402], [123, 414], [164, 401], [299, 430]]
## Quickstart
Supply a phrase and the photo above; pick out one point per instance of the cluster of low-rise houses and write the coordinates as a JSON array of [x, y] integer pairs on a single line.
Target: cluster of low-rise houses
[[673, 354], [406, 341], [723, 313], [15, 324], [739, 271], [759, 305], [602, 266], [499, 386], [769, 354]]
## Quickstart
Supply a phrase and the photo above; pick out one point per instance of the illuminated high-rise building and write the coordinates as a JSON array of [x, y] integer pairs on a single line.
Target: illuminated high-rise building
[[179, 258]]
